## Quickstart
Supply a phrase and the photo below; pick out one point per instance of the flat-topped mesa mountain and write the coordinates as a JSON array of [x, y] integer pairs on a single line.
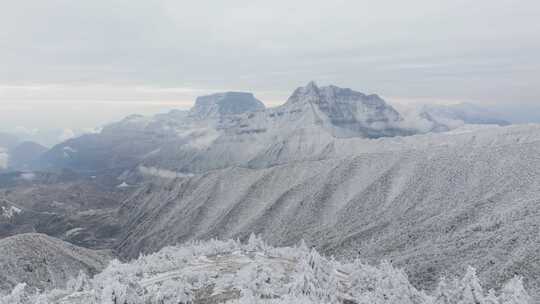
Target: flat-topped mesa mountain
[[228, 103], [233, 128]]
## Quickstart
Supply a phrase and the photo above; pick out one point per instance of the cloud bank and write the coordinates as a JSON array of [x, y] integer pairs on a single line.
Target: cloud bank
[[94, 61]]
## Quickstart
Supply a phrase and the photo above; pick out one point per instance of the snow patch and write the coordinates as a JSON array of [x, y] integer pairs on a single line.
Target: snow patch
[[73, 232], [10, 212], [28, 176], [123, 185], [70, 149], [200, 138], [163, 173], [66, 134]]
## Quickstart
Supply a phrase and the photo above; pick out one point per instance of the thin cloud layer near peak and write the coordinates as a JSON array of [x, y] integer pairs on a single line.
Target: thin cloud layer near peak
[[171, 51]]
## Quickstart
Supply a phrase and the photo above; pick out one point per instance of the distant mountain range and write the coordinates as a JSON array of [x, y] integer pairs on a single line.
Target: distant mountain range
[[234, 128], [431, 192]]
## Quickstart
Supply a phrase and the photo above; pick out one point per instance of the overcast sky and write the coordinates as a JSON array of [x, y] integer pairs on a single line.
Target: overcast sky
[[79, 64]]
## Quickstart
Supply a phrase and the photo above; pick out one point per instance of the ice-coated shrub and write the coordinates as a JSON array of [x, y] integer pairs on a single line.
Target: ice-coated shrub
[[236, 273]]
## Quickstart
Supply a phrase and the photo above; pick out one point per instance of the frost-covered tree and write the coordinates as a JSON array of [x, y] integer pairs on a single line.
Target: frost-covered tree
[[80, 283], [383, 284], [19, 295], [445, 294], [259, 281], [513, 292], [170, 292], [468, 290], [257, 273], [256, 243], [315, 277]]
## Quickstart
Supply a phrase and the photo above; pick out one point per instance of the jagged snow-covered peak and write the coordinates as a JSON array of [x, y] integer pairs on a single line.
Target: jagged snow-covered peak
[[349, 109], [228, 103]]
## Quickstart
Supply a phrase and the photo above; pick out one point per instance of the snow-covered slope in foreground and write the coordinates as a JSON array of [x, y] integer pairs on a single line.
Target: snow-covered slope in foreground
[[231, 272], [45, 262]]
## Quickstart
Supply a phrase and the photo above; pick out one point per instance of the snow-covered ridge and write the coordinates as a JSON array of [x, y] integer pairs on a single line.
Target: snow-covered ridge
[[234, 129], [232, 272], [44, 262]]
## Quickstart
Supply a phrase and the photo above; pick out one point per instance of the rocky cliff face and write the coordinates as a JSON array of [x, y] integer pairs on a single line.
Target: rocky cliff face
[[233, 129], [229, 103], [366, 115]]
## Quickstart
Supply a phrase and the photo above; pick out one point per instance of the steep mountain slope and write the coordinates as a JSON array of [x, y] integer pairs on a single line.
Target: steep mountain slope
[[431, 204], [234, 273], [44, 262], [74, 208], [364, 115]]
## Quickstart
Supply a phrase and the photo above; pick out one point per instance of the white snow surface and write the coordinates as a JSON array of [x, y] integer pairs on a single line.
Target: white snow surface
[[432, 203], [341, 170], [43, 262], [9, 211], [163, 173], [207, 138], [235, 273]]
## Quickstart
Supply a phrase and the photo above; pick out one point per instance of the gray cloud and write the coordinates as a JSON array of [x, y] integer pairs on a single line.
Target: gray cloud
[[107, 58]]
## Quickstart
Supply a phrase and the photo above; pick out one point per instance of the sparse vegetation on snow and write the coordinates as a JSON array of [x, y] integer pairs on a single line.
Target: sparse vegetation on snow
[[254, 272]]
